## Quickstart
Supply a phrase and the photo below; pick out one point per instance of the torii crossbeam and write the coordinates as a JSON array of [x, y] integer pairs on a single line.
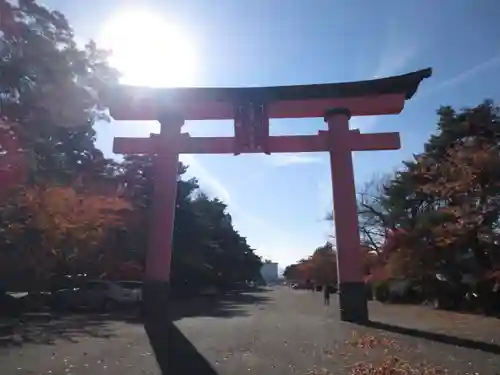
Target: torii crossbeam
[[251, 108]]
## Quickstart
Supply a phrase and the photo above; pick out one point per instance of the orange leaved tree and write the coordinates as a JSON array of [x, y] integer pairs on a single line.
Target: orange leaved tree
[[50, 230]]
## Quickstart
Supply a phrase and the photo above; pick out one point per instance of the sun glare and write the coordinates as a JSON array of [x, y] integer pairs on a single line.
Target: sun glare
[[149, 50]]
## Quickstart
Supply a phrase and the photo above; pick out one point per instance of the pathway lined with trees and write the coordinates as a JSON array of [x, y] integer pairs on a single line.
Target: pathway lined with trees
[[66, 209], [278, 331]]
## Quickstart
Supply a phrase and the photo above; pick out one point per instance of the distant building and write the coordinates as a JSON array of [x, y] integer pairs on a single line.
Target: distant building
[[269, 272]]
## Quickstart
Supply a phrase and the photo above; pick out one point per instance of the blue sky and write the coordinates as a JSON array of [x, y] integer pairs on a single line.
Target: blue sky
[[278, 202]]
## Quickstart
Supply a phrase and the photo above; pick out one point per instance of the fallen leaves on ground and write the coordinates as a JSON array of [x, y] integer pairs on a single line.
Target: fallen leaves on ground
[[388, 366], [371, 342], [319, 371], [395, 366], [380, 365]]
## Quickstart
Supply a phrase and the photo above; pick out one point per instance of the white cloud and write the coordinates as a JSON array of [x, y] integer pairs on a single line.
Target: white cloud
[[207, 180], [282, 160], [363, 123], [399, 48], [325, 195], [394, 58], [210, 184], [325, 204], [463, 76]]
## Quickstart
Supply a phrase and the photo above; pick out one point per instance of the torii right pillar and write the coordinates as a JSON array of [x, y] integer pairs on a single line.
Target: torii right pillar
[[351, 288]]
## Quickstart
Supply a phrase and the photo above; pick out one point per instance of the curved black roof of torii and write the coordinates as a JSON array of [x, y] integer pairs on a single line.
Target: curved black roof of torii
[[406, 83]]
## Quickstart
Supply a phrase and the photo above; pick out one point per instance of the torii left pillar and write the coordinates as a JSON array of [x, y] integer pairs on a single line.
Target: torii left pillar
[[156, 288]]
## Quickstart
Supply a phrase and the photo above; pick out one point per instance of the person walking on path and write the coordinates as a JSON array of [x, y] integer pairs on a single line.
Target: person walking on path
[[326, 295]]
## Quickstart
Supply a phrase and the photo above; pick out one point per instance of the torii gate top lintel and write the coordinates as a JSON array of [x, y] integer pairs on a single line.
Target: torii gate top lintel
[[210, 103]]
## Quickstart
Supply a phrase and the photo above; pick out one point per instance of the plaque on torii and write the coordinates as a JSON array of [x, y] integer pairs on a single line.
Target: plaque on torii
[[251, 109]]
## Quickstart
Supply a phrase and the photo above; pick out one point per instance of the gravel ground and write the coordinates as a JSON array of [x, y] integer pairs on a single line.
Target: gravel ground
[[278, 331]]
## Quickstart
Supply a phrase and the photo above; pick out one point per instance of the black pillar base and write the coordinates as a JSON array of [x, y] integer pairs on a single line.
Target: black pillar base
[[157, 322], [353, 303]]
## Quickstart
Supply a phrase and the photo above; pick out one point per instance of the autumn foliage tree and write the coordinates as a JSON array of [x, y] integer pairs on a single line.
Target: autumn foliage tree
[[65, 207], [443, 207], [13, 169], [455, 182], [324, 264], [50, 89], [50, 99], [319, 268], [58, 229]]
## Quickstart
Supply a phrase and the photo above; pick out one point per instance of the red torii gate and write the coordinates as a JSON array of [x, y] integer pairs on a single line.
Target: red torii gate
[[251, 108]]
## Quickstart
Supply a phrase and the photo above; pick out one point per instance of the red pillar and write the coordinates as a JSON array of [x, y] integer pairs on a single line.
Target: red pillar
[[159, 254], [166, 165], [352, 295]]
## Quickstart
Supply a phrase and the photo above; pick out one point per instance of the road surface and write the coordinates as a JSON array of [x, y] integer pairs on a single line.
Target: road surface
[[278, 331]]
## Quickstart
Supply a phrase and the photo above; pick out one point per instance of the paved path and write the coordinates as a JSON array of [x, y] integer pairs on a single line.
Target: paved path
[[273, 332]]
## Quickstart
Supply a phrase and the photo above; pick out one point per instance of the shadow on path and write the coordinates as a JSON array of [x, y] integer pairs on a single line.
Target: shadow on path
[[176, 355], [72, 326], [68, 328], [437, 337], [226, 306]]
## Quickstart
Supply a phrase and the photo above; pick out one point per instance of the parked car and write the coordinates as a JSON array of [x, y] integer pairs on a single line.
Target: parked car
[[209, 291], [396, 291], [470, 292], [10, 305], [36, 301], [133, 286], [95, 295]]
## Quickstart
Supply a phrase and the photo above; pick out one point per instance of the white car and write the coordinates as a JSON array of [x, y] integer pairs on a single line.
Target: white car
[[100, 295], [135, 287]]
